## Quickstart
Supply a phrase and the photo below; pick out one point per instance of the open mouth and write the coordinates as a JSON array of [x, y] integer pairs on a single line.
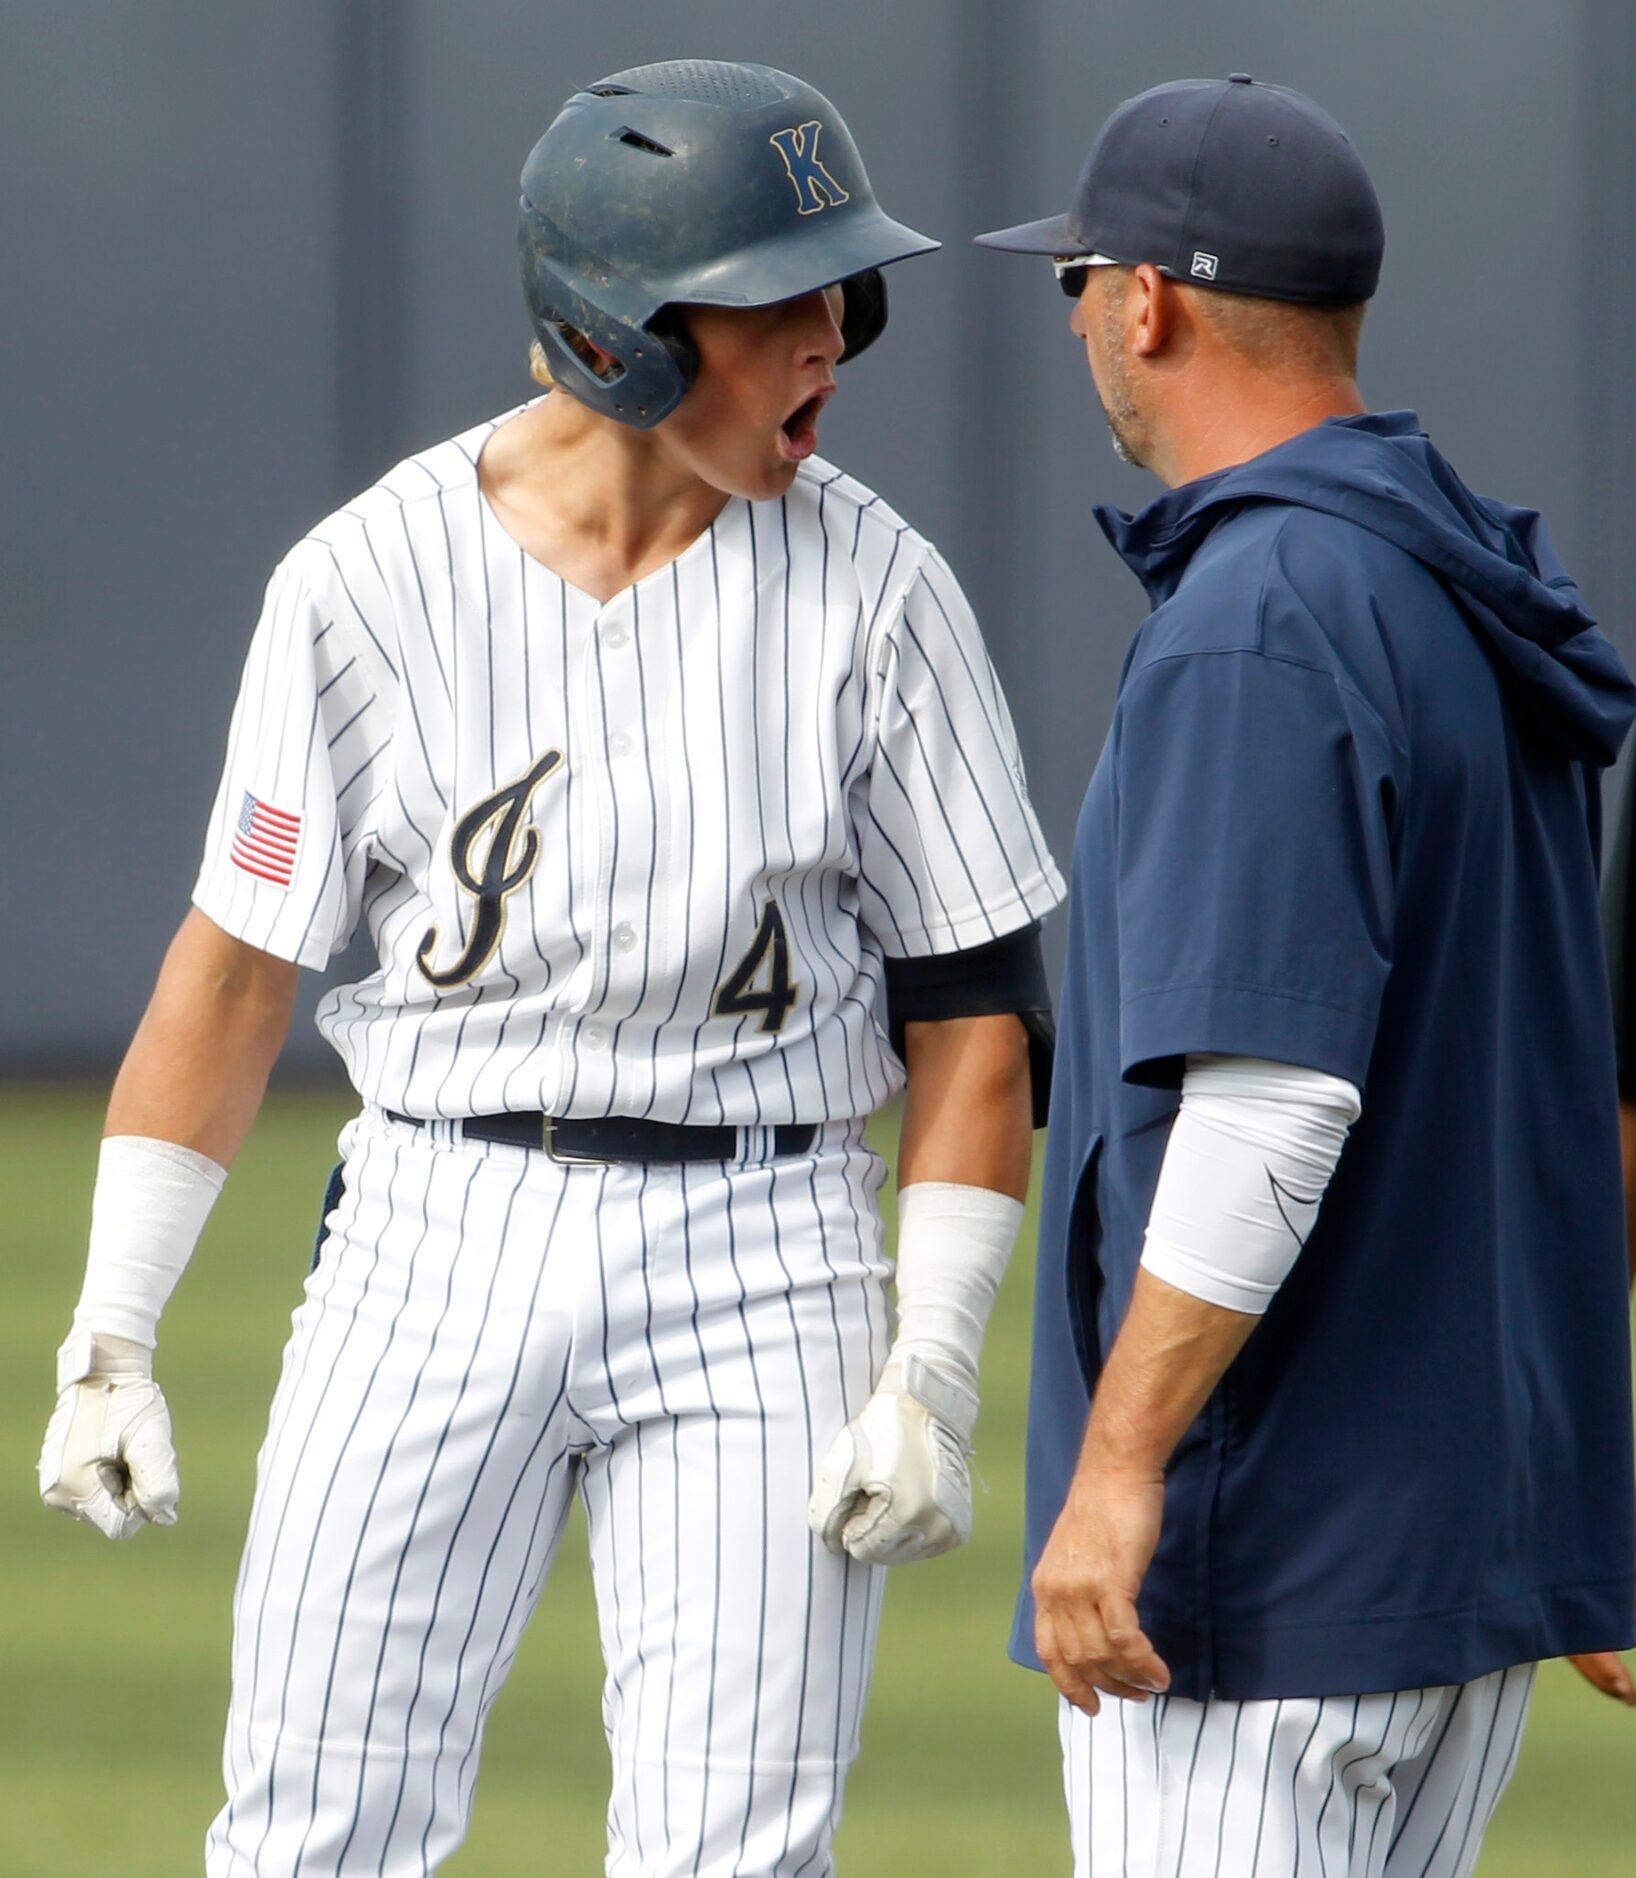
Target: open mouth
[[798, 434]]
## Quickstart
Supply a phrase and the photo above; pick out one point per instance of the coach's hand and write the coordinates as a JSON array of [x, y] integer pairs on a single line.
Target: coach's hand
[[1085, 1585], [894, 1485], [1606, 1670], [108, 1457]]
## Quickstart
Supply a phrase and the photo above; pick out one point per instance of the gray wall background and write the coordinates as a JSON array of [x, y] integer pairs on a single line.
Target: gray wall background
[[251, 255]]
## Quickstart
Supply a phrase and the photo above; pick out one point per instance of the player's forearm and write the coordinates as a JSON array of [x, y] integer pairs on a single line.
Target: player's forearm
[[894, 1484], [183, 1102], [961, 1175], [1170, 1353], [197, 1067], [968, 1114]]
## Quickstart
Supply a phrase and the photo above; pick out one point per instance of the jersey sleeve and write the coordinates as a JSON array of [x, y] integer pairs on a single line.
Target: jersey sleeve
[[1255, 884], [950, 853], [288, 842]]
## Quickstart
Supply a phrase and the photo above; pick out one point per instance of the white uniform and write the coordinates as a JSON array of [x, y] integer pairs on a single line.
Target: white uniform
[[1396, 1785], [641, 859]]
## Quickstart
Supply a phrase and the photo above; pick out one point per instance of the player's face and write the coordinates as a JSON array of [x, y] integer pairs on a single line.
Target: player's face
[[765, 374]]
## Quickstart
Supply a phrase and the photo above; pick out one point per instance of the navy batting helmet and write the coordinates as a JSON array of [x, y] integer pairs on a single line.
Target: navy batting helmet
[[695, 183]]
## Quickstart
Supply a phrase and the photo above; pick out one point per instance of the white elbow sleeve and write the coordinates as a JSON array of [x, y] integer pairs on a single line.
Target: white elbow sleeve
[[1250, 1156], [149, 1206]]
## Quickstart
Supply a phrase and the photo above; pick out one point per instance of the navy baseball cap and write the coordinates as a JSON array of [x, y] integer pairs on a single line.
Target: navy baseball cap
[[1223, 182]]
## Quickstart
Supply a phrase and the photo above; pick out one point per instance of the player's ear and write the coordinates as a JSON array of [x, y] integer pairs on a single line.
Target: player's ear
[[597, 359]]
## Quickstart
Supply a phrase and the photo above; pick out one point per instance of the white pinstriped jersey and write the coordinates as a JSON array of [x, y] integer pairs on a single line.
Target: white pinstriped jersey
[[642, 858]]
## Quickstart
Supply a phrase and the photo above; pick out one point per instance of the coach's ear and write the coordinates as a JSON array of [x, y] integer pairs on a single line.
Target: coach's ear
[[1152, 311]]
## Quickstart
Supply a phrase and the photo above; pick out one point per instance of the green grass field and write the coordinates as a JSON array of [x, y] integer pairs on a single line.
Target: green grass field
[[113, 1661]]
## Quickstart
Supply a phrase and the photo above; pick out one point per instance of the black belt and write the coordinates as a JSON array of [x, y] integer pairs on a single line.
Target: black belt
[[613, 1138]]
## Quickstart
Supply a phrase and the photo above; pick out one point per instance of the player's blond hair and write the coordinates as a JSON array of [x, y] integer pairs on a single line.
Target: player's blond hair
[[538, 368]]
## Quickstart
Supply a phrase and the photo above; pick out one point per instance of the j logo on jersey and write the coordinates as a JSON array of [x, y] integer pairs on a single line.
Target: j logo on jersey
[[815, 188], [492, 852]]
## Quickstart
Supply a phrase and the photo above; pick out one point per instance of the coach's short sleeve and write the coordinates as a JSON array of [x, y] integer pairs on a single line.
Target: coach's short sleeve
[[1254, 879], [950, 855], [288, 843]]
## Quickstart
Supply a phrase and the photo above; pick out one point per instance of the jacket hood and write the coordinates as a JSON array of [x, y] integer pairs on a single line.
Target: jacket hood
[[1383, 472]]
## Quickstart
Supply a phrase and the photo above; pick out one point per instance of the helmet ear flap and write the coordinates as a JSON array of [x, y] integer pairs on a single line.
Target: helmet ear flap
[[863, 311], [669, 327]]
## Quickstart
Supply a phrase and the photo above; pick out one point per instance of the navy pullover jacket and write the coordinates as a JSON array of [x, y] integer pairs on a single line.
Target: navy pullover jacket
[[1347, 816]]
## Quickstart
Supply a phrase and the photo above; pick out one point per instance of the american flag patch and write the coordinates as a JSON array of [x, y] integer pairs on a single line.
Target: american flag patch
[[265, 841]]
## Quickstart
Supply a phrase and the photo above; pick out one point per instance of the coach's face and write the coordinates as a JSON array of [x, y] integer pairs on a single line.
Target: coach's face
[[765, 374], [1102, 320]]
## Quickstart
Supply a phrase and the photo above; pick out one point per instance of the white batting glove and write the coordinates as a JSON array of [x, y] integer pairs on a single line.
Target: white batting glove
[[108, 1457], [894, 1486]]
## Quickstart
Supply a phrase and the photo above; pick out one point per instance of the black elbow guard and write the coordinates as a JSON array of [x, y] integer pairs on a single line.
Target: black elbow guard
[[1005, 975]]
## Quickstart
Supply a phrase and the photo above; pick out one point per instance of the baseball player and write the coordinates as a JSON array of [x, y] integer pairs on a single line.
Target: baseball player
[[1331, 1417], [665, 765]]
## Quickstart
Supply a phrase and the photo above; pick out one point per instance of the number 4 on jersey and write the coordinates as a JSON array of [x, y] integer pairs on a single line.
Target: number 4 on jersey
[[761, 980]]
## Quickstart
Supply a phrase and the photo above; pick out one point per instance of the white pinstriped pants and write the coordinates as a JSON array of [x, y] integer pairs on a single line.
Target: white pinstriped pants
[[486, 1332], [1373, 1786]]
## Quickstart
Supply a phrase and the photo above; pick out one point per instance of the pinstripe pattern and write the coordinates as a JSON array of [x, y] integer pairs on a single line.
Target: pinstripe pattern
[[485, 1332], [798, 709], [797, 712], [1399, 1785]]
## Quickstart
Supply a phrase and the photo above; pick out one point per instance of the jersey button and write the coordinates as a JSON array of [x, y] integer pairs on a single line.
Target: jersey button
[[619, 744], [615, 634], [625, 938], [594, 1037]]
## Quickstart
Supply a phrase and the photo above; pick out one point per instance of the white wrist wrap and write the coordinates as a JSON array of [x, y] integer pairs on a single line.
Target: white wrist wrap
[[950, 1401], [953, 1246], [148, 1208], [894, 1484], [1251, 1153]]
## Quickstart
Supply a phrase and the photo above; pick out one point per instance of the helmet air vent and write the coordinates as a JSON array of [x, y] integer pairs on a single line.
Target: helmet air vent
[[638, 142]]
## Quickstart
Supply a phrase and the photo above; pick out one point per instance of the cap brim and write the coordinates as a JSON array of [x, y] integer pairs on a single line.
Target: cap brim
[[1050, 236]]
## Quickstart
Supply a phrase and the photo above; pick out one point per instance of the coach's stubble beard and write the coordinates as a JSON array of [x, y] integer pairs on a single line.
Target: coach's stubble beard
[[1113, 392], [1121, 448]]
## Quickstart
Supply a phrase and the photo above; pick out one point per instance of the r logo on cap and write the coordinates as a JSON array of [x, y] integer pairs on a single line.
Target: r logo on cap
[[1204, 266]]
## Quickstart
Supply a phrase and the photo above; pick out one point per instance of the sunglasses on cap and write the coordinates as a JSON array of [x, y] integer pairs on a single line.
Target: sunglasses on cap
[[1072, 269]]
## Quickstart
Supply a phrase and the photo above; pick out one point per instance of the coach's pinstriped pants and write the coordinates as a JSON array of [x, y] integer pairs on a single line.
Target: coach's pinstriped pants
[[1373, 1786], [486, 1332]]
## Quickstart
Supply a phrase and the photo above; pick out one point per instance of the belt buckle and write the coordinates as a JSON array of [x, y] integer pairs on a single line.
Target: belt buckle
[[548, 1142]]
